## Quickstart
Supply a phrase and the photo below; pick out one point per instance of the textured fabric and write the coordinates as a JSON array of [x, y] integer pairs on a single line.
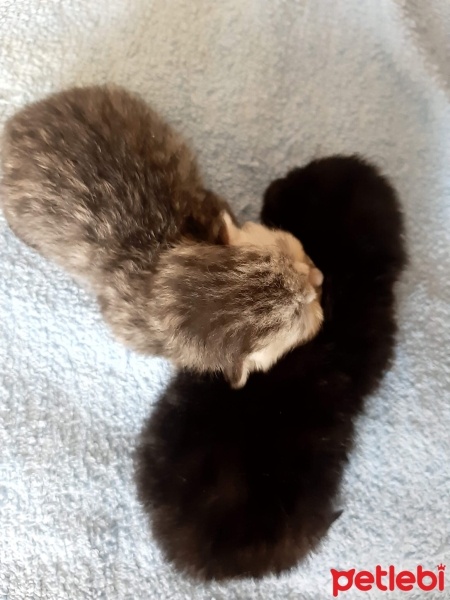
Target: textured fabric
[[257, 87]]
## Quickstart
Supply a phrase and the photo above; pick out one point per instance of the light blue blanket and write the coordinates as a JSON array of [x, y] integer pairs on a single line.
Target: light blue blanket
[[257, 86]]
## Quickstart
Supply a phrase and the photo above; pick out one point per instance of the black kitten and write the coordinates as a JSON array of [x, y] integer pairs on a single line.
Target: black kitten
[[243, 483]]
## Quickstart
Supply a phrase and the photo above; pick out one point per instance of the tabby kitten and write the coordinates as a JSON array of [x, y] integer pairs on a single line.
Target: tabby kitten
[[95, 180]]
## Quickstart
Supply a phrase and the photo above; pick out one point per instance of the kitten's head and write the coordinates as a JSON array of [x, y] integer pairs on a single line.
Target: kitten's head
[[283, 312], [260, 236], [238, 308]]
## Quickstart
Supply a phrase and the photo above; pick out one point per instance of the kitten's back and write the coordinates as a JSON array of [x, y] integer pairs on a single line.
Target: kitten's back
[[90, 174]]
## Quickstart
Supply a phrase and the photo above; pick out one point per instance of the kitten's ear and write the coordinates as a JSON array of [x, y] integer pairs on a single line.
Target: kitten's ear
[[316, 277], [273, 209], [228, 231], [237, 374], [335, 516]]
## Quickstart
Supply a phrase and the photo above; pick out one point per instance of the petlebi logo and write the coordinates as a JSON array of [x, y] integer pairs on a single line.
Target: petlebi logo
[[388, 579]]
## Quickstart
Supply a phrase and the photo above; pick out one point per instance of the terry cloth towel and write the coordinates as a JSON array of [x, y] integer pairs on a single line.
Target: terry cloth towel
[[257, 87]]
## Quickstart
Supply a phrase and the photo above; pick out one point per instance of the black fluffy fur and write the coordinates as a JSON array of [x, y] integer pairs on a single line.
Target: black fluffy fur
[[244, 483]]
